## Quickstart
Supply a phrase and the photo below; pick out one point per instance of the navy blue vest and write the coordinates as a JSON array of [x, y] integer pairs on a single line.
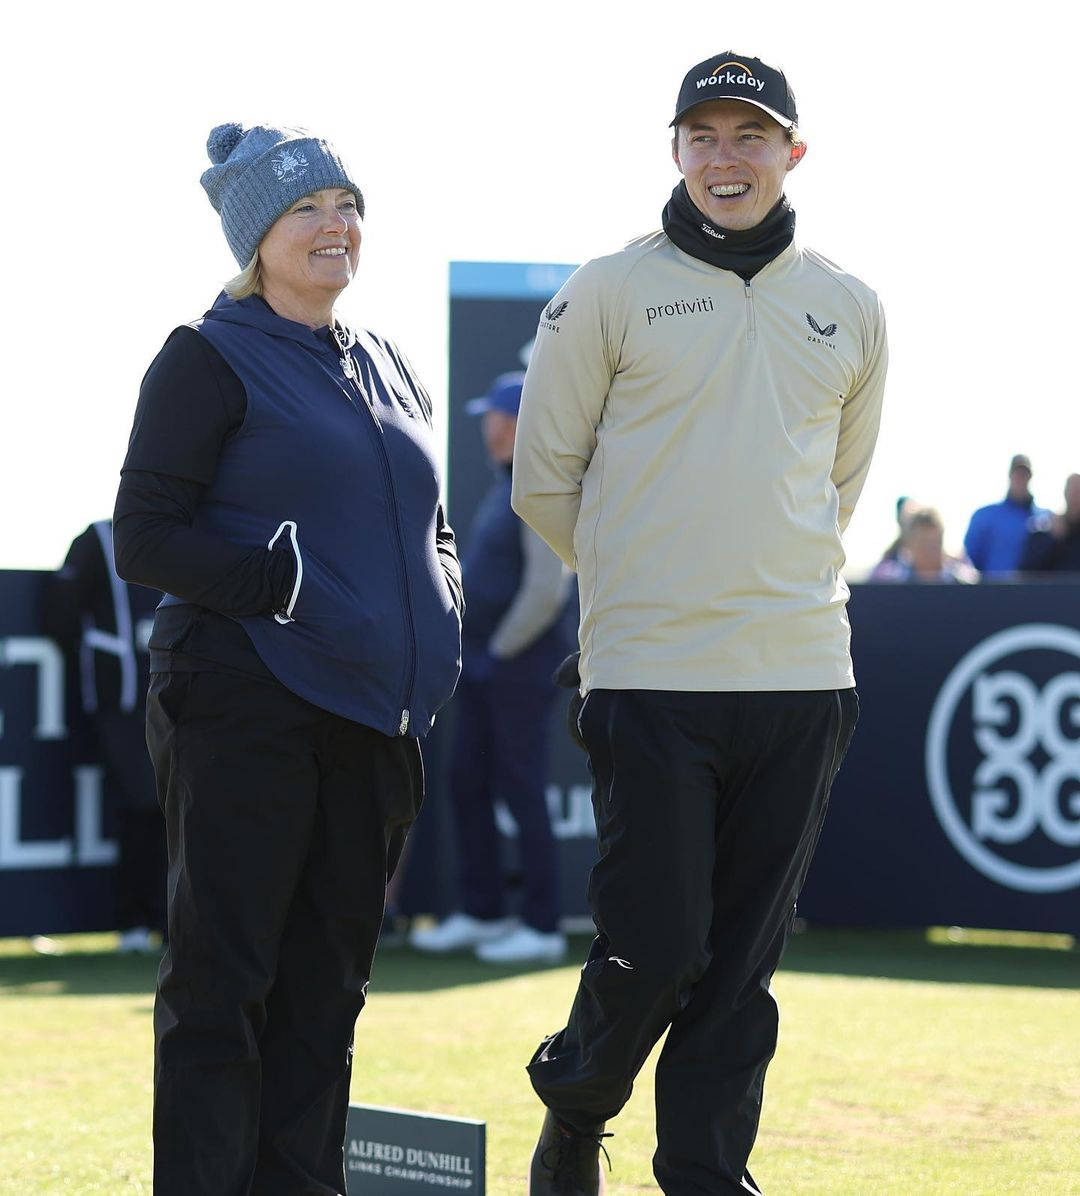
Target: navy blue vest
[[374, 632], [492, 567]]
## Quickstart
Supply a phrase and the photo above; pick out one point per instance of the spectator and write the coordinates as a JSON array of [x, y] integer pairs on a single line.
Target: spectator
[[996, 534], [922, 557], [1053, 542], [515, 631], [97, 617]]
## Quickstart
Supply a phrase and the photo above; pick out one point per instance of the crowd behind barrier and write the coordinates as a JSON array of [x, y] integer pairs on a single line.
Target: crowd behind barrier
[[1013, 538]]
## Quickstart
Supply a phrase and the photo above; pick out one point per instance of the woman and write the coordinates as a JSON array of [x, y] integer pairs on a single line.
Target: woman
[[281, 487]]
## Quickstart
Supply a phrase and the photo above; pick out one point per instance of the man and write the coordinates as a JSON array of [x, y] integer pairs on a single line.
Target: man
[[105, 623], [698, 419], [997, 533], [1053, 541], [514, 632]]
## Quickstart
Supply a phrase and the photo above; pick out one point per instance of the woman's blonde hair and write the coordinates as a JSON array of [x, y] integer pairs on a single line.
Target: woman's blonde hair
[[248, 282]]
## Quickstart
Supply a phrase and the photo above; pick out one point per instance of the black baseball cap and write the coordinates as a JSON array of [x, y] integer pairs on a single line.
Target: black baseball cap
[[731, 76]]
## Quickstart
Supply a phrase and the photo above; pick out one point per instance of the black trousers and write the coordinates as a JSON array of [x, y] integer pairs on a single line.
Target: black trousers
[[708, 808], [284, 824], [139, 886], [501, 749]]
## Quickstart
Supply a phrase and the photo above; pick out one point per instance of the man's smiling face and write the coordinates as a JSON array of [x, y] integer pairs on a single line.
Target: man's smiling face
[[733, 157]]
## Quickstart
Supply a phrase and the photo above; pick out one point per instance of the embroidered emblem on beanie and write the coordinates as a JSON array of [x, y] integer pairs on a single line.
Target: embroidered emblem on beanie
[[287, 163]]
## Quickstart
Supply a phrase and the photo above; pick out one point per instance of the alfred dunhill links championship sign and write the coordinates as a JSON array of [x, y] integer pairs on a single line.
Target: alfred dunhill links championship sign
[[400, 1153]]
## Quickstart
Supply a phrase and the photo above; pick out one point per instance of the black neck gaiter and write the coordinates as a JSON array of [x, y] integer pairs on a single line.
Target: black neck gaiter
[[743, 251]]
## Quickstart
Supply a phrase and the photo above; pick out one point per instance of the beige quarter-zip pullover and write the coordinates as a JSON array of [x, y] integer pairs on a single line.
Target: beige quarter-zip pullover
[[694, 446]]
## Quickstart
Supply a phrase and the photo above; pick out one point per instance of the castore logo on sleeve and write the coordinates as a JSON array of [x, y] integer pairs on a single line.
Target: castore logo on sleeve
[[823, 332], [551, 313]]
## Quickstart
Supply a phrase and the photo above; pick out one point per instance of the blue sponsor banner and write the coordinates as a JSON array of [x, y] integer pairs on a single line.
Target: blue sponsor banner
[[959, 801], [958, 804], [57, 850]]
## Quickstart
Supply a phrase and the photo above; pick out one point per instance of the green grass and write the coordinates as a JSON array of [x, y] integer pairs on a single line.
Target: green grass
[[908, 1062]]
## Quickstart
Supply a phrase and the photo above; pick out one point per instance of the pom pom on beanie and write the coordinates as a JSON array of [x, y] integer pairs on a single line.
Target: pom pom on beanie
[[223, 140]]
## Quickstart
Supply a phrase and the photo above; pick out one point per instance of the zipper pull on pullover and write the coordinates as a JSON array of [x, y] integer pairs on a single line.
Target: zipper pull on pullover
[[751, 322]]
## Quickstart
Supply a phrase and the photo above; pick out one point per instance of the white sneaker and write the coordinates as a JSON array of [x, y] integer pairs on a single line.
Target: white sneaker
[[524, 945], [459, 931], [42, 944]]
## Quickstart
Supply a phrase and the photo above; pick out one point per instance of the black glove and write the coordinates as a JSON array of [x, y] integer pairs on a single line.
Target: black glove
[[567, 677]]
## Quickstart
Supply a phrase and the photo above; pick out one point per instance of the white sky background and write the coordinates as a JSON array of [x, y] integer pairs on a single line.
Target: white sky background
[[941, 169]]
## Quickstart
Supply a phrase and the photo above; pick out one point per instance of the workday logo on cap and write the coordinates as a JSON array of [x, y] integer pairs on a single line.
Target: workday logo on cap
[[1003, 757], [732, 72]]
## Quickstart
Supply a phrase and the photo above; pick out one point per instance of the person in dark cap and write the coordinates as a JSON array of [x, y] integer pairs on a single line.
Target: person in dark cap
[[696, 427], [281, 487], [514, 634], [997, 534]]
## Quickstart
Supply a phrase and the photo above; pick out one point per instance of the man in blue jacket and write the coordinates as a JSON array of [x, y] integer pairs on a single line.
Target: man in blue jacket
[[997, 533], [515, 631]]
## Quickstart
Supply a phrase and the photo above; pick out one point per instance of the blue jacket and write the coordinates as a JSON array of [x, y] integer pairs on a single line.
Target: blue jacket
[[493, 571], [996, 535], [342, 462]]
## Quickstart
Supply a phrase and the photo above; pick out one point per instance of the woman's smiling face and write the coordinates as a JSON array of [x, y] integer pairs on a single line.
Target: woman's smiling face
[[313, 248]]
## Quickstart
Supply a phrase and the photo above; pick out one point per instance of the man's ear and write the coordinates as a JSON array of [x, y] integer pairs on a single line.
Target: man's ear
[[675, 150], [797, 151]]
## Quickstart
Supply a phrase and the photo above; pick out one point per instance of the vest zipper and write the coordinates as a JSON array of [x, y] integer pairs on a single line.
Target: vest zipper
[[751, 322], [352, 374]]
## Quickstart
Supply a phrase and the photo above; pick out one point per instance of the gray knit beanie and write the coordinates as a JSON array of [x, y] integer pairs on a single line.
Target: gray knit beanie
[[260, 172]]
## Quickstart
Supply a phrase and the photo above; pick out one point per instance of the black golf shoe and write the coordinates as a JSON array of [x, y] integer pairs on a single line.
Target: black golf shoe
[[566, 1162]]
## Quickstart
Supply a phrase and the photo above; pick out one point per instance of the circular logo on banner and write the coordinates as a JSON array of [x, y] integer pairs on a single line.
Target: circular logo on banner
[[1003, 757]]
